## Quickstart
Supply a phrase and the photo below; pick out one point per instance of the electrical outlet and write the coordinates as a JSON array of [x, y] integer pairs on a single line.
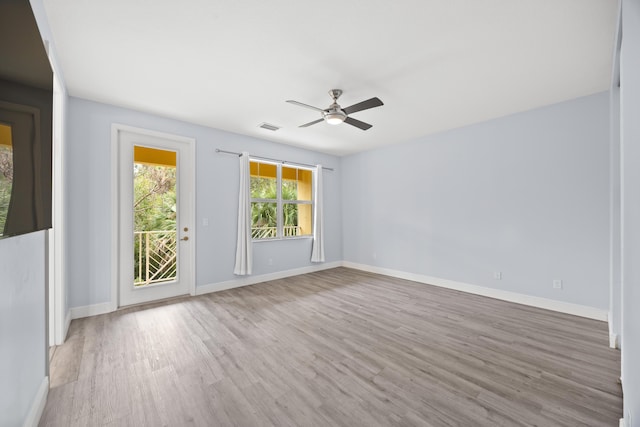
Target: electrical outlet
[[557, 284], [205, 222], [375, 256], [497, 275], [270, 261]]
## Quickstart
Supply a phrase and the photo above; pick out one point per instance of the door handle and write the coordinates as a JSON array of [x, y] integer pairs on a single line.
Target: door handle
[[185, 238]]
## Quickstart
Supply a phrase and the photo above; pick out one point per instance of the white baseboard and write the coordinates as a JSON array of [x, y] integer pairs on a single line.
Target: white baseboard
[[614, 341], [626, 421], [108, 307], [67, 323], [91, 310], [545, 303], [38, 404], [560, 306], [252, 280]]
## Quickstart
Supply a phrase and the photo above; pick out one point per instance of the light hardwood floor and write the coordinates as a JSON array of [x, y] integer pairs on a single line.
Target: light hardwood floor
[[338, 347]]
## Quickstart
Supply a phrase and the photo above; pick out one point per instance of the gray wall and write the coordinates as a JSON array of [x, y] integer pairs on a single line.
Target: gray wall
[[59, 126], [23, 352], [22, 325], [89, 212], [527, 195], [615, 261], [630, 159], [615, 219]]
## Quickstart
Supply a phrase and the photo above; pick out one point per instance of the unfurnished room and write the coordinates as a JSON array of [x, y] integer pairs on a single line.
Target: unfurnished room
[[347, 213]]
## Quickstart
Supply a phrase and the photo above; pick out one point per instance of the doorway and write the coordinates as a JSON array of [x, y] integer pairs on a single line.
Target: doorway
[[155, 215]]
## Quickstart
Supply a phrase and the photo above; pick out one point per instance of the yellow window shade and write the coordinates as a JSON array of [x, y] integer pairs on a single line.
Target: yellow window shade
[[296, 174], [154, 156], [302, 179], [5, 135], [264, 170]]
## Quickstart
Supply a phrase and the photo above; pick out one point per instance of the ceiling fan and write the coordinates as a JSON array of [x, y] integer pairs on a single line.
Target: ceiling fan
[[334, 115]]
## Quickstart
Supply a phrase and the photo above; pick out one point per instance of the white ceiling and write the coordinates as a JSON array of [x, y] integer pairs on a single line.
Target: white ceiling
[[436, 65]]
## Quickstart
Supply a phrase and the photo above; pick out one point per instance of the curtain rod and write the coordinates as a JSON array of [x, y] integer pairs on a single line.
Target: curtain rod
[[284, 162]]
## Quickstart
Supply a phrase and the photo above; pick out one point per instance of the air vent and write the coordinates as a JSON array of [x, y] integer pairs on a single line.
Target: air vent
[[268, 126]]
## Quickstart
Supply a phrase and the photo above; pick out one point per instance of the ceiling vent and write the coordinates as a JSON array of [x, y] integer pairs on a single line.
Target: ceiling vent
[[268, 126]]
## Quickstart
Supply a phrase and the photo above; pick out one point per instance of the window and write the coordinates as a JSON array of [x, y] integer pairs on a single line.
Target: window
[[6, 172], [281, 201], [155, 252]]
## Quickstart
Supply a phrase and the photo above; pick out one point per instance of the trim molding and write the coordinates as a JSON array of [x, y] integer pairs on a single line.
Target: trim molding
[[91, 310], [107, 307], [548, 304], [57, 256], [533, 301], [193, 223], [115, 221], [252, 280], [38, 404], [614, 339], [116, 130], [67, 323]]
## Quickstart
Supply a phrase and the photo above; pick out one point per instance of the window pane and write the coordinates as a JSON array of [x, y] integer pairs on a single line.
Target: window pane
[[154, 193], [263, 180], [264, 220], [155, 247], [297, 219], [289, 190], [263, 188], [296, 183], [6, 172]]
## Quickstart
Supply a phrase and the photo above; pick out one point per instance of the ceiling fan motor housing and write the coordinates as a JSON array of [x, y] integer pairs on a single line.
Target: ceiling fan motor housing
[[334, 114]]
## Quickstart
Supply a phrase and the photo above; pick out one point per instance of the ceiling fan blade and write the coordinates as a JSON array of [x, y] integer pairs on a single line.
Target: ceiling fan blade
[[364, 105], [357, 123], [311, 123], [305, 105]]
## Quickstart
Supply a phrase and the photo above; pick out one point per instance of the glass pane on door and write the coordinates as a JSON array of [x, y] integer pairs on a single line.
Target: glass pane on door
[[154, 216]]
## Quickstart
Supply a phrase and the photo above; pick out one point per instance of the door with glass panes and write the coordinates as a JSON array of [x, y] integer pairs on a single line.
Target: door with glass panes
[[156, 217]]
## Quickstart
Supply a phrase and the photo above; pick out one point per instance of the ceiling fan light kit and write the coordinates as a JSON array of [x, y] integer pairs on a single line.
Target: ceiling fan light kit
[[334, 115]]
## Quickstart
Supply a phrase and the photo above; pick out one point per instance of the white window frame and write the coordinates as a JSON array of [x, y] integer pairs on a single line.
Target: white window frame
[[280, 202]]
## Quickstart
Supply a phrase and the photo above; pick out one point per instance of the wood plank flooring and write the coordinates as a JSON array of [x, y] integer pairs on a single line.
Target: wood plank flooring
[[335, 348]]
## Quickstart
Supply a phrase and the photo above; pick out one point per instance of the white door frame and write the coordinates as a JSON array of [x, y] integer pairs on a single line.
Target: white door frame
[[116, 129]]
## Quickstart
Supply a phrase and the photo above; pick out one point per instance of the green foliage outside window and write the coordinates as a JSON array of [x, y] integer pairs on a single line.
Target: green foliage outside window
[[154, 192], [264, 214], [154, 209], [6, 181]]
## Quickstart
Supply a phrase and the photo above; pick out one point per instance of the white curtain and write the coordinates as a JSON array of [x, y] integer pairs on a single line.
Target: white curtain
[[317, 252], [244, 249]]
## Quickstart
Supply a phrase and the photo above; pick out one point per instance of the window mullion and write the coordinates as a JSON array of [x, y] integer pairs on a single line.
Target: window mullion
[[280, 230]]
